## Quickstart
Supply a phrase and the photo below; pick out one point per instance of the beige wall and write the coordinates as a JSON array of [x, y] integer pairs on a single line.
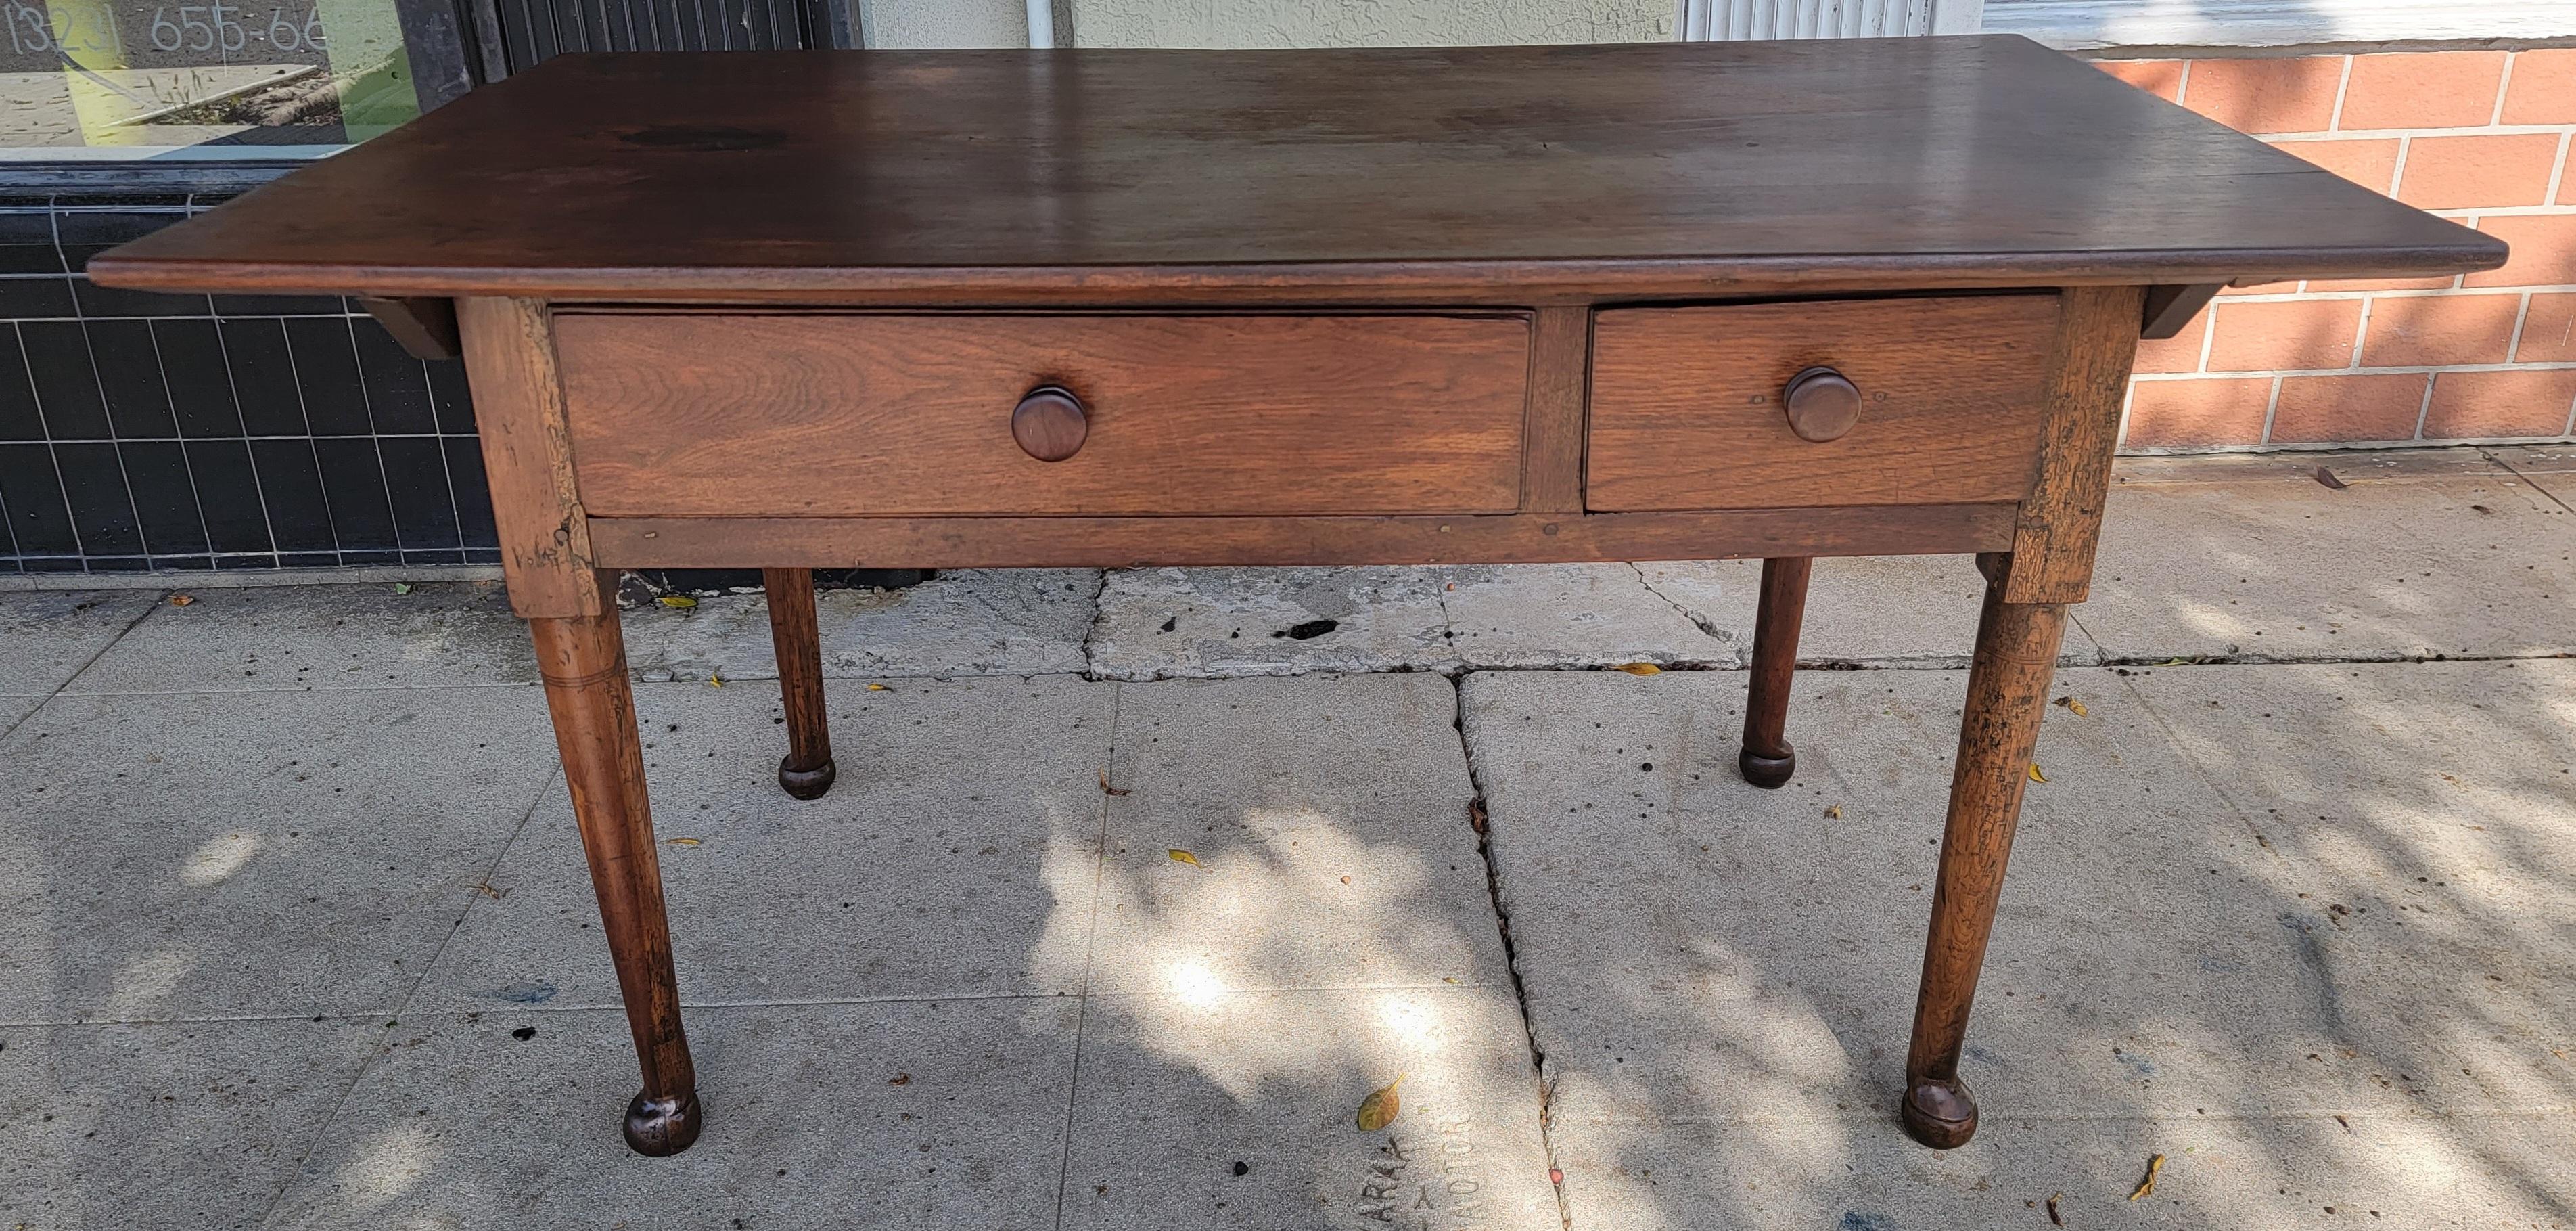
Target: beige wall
[[1272, 23]]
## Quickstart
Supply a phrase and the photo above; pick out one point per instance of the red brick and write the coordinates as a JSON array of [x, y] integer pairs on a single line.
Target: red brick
[[2262, 288], [2319, 409], [2543, 89], [2544, 250], [2162, 79], [2292, 334], [2179, 353], [2548, 330], [2526, 403], [2178, 413], [2434, 330], [2478, 171], [2371, 163], [2422, 89], [2278, 94]]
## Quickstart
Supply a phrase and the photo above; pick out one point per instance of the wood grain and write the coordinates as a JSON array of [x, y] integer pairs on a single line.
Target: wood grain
[[807, 769], [583, 662], [1686, 409], [1478, 175], [2088, 382], [527, 457], [1767, 760], [859, 414], [1559, 384], [2008, 684], [1043, 543]]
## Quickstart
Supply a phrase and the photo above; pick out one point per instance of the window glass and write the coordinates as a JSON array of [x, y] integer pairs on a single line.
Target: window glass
[[110, 79]]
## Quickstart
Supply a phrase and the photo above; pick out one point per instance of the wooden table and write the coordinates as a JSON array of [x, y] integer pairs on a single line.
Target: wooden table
[[1116, 309]]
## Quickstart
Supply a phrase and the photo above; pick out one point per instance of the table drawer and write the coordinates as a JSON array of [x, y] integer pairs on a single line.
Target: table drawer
[[853, 414], [1687, 407]]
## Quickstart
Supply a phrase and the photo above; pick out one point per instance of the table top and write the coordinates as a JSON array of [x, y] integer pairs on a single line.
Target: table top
[[1482, 173]]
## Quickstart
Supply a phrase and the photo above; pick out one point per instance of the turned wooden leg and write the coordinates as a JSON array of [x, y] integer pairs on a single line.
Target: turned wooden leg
[[1767, 760], [807, 771], [583, 660], [2008, 684]]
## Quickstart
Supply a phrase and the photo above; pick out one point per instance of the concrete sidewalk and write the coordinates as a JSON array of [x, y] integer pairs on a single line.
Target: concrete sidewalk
[[294, 930]]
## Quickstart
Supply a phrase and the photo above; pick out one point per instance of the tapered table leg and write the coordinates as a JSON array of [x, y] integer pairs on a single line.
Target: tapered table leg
[[1767, 760], [2008, 685], [807, 771], [583, 660]]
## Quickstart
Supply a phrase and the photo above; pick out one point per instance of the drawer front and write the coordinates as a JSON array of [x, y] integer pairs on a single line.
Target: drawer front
[[1687, 407], [748, 414]]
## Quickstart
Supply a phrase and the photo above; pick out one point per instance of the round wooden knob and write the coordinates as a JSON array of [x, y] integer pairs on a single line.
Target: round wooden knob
[[1822, 403], [1049, 424]]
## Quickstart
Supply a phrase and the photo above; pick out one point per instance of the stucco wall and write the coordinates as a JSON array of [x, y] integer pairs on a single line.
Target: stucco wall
[[1271, 23]]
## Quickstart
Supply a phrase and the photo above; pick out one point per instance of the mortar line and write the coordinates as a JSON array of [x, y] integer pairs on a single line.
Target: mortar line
[[1090, 943], [294, 1175], [1477, 806], [86, 664]]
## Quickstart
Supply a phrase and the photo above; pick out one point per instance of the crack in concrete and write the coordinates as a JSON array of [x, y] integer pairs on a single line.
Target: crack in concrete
[[1091, 631], [1481, 820], [1697, 620]]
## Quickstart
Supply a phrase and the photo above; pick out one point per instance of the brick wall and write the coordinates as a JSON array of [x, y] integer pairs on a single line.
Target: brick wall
[[2478, 136]]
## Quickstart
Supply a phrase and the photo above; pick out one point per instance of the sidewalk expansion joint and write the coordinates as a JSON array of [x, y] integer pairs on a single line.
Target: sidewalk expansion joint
[[1481, 822]]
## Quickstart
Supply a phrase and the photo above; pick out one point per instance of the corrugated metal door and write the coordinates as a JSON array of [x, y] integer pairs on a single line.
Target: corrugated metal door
[[1720, 20]]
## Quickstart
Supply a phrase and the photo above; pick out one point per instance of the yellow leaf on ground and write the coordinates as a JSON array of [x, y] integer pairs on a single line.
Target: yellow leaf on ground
[[678, 603], [1379, 1109], [2072, 704], [1180, 856], [715, 681], [1635, 669], [2036, 775], [683, 842], [879, 688], [1834, 813], [182, 600], [2148, 1185]]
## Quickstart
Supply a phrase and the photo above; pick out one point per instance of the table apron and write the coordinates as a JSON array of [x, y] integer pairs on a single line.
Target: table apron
[[1014, 543]]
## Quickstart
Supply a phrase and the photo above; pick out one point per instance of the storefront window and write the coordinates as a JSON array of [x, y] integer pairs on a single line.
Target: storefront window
[[120, 79]]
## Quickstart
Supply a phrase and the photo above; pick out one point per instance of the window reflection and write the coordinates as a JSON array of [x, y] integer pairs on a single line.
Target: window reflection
[[93, 79]]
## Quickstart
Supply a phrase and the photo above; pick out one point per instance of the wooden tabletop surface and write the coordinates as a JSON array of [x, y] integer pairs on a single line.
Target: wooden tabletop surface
[[1494, 173]]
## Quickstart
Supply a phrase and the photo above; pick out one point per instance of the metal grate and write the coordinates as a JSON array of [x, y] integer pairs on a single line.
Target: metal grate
[[526, 32]]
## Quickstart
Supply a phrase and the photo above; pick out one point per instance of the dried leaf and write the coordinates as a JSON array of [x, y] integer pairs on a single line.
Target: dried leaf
[[1639, 669], [182, 600], [1448, 979], [677, 603], [879, 688], [1379, 1109], [2054, 1218], [2036, 775], [2327, 478], [2072, 704], [900, 1079], [1834, 813], [2148, 1185], [1106, 789], [682, 842], [1180, 856]]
